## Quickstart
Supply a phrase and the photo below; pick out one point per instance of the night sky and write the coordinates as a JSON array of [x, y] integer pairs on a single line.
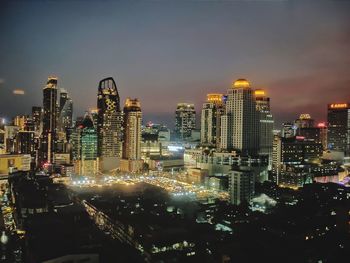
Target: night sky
[[164, 52]]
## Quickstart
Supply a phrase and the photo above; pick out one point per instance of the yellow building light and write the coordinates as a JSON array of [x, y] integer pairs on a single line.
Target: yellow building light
[[338, 105], [259, 92], [214, 97], [241, 83], [305, 116]]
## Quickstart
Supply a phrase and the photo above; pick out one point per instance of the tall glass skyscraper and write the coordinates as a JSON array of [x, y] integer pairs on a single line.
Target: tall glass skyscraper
[[65, 111], [84, 147], [50, 116]]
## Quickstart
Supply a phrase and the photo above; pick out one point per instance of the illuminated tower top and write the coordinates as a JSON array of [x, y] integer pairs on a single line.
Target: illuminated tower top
[[215, 98], [51, 82], [241, 83], [132, 105]]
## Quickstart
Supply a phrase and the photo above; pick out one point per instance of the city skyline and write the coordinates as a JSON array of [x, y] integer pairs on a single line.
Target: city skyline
[[172, 63]]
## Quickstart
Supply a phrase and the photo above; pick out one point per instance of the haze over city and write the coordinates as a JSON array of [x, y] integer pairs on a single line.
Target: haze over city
[[163, 52]]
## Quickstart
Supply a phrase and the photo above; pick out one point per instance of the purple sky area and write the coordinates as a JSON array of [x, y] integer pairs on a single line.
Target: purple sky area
[[164, 52]]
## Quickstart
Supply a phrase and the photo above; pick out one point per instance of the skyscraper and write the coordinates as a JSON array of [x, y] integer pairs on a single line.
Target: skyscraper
[[339, 127], [322, 126], [239, 125], [210, 119], [36, 117], [132, 136], [304, 121], [266, 123], [109, 122], [65, 111], [84, 147], [132, 129], [50, 111], [185, 120]]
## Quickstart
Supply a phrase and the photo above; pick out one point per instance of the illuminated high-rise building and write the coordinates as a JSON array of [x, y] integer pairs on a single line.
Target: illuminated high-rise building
[[185, 120], [304, 121], [288, 130], [210, 119], [94, 116], [132, 132], [36, 117], [50, 116], [10, 133], [290, 153], [109, 119], [20, 121], [339, 127], [25, 143], [322, 126], [239, 125], [65, 111], [266, 123], [132, 129], [84, 147]]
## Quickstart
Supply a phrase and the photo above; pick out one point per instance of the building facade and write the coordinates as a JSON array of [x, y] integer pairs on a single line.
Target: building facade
[[185, 120], [50, 116], [210, 119], [239, 125], [241, 185], [132, 136], [109, 120], [339, 127], [84, 148], [65, 111], [266, 123]]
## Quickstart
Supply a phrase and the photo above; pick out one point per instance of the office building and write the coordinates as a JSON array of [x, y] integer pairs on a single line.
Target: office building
[[65, 111], [37, 117], [185, 120], [25, 143], [109, 121], [304, 121], [290, 154], [339, 127], [239, 125], [132, 136], [210, 119], [20, 121], [10, 133], [266, 123], [241, 185], [310, 133], [322, 126], [50, 115], [84, 148]]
